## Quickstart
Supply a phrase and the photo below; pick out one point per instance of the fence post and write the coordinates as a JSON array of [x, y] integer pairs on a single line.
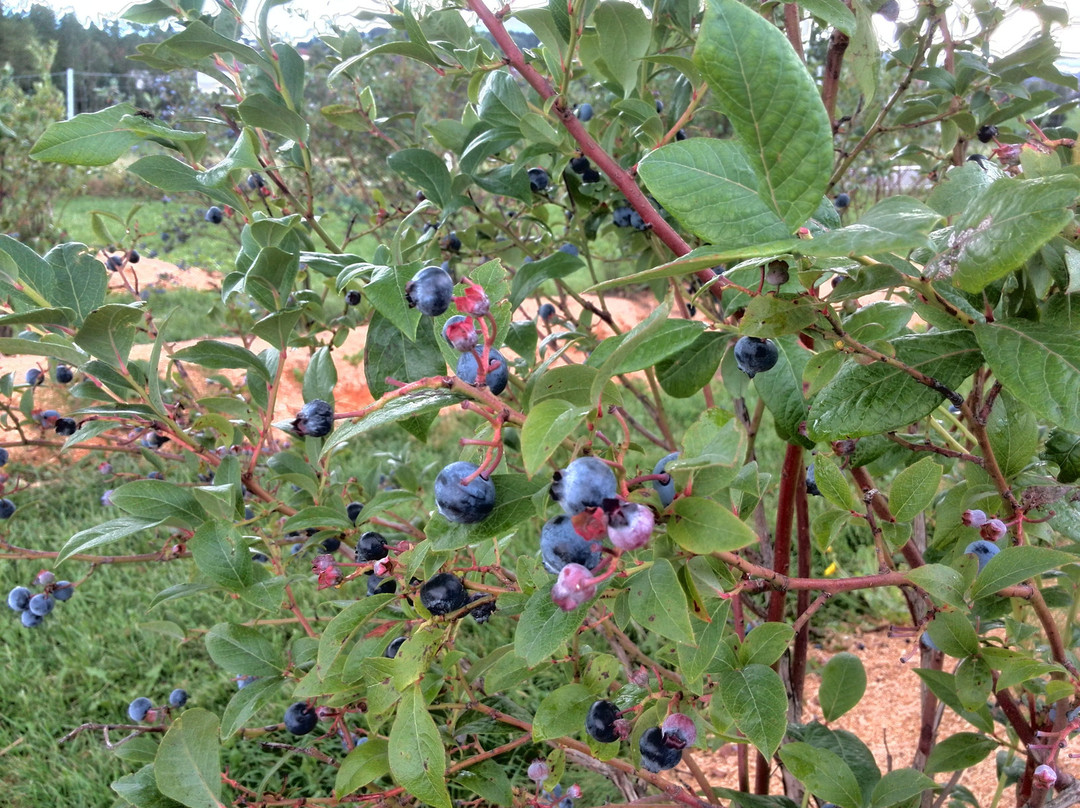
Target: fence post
[[70, 93]]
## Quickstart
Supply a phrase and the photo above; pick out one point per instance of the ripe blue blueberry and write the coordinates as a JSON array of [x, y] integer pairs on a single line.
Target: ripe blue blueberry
[[7, 508], [260, 558], [371, 546], [666, 491], [352, 510], [3, 456], [754, 355], [466, 504], [393, 647], [841, 201], [637, 222], [656, 756], [63, 374], [31, 620], [178, 698], [243, 681], [583, 484], [590, 175], [378, 585], [573, 587], [460, 333], [63, 590], [41, 604], [546, 312], [579, 165], [453, 243], [443, 593], [154, 440], [681, 135], [66, 426], [600, 721], [331, 544], [114, 263], [300, 719], [482, 613], [986, 133], [498, 374], [214, 215], [584, 112], [139, 707], [560, 545], [353, 297], [315, 419], [255, 181], [431, 290], [34, 377], [983, 551], [18, 599], [538, 180], [134, 257], [811, 482], [621, 216], [569, 249], [630, 526]]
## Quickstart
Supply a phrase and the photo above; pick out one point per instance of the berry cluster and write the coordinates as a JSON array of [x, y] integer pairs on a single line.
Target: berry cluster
[[33, 608], [142, 709]]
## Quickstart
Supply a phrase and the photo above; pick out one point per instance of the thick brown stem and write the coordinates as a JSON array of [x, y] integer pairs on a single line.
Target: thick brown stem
[[834, 60], [791, 28]]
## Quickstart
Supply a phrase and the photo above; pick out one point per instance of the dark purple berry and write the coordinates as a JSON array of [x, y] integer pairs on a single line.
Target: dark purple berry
[[811, 482], [621, 216], [66, 426], [353, 297], [431, 290], [754, 355], [482, 613], [371, 546], [600, 721], [352, 510], [657, 756], [34, 377], [466, 504], [579, 165], [315, 419], [393, 647], [443, 593], [134, 257], [300, 719], [331, 544], [3, 456], [538, 180], [378, 585], [987, 132], [7, 508], [590, 175], [841, 201], [546, 312], [497, 376], [63, 374]]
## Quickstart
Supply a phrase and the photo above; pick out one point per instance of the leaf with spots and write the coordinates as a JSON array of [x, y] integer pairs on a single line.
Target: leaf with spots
[[417, 759], [658, 603]]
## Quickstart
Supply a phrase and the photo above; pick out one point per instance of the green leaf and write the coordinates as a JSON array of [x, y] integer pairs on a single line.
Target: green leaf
[[1063, 448], [953, 633], [914, 488], [974, 682], [669, 338], [88, 139], [832, 483], [833, 12], [426, 171], [363, 765], [622, 39], [546, 426], [175, 176], [1014, 434], [898, 786], [544, 628], [962, 184], [843, 683], [158, 499], [79, 279], [864, 53], [1004, 226], [139, 788], [335, 637], [658, 603], [108, 332], [187, 767], [683, 375], [489, 780], [1015, 564], [417, 759], [105, 533], [710, 187], [765, 644], [263, 112], [867, 399], [245, 702], [532, 275], [704, 526], [960, 751], [501, 102], [943, 584], [216, 355], [764, 89], [772, 316], [824, 773], [419, 403], [782, 390], [1037, 364], [756, 700], [562, 712], [389, 353], [897, 224], [243, 650], [221, 554]]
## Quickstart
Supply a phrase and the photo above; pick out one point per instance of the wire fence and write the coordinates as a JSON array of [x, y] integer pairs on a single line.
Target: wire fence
[[90, 91]]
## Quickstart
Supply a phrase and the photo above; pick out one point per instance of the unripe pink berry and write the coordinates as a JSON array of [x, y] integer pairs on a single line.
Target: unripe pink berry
[[573, 587], [974, 518], [1045, 776], [538, 771], [993, 530], [679, 731], [630, 526]]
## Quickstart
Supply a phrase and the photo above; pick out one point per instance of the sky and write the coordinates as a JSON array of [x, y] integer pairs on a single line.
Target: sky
[[1020, 27]]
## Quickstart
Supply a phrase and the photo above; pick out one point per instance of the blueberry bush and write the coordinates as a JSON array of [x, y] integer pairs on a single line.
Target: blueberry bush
[[572, 589]]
